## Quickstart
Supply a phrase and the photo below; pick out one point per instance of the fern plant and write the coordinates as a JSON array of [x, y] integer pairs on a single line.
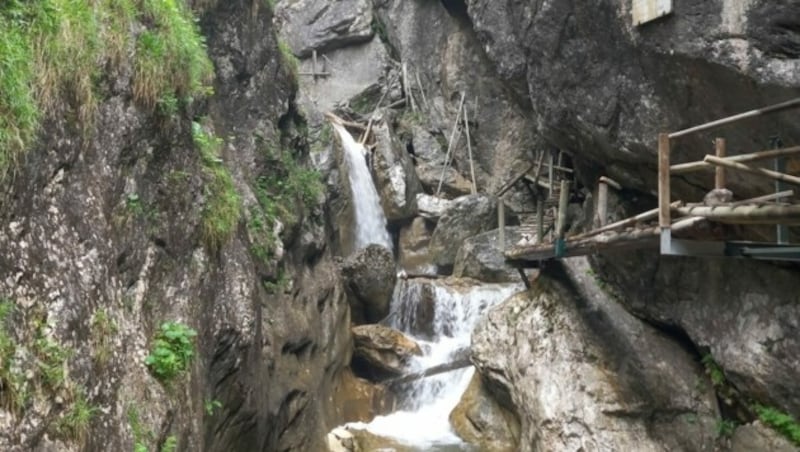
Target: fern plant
[[173, 351]]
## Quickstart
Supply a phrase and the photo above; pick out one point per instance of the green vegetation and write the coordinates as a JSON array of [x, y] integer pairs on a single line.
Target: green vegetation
[[282, 189], [173, 351], [75, 422], [140, 435], [170, 444], [211, 406], [725, 428], [54, 51], [103, 330], [782, 423], [289, 59], [222, 209], [714, 371], [12, 381]]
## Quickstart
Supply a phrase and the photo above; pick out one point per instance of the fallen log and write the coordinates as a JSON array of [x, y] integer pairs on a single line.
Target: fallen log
[[459, 363]]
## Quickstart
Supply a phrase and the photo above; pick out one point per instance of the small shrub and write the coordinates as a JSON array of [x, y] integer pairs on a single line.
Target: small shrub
[[211, 406], [714, 371], [170, 444], [76, 421], [780, 422], [173, 351], [725, 428], [103, 330], [222, 209]]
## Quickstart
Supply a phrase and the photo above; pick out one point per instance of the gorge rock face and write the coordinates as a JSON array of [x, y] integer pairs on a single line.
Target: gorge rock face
[[466, 217], [382, 351], [745, 313], [480, 257], [369, 277], [479, 420], [582, 373], [105, 224], [394, 175], [313, 25]]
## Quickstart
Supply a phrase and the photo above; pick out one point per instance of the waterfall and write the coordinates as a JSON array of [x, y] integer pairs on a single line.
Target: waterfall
[[370, 221], [423, 419]]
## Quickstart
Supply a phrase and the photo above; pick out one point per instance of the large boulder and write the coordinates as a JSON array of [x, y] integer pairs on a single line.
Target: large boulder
[[582, 373], [481, 257], [381, 351], [432, 207], [395, 177], [453, 183], [359, 400], [369, 277], [479, 420], [757, 436], [309, 25], [468, 216], [746, 314]]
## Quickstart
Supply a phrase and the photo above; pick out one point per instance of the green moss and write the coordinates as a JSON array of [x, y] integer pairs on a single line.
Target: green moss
[[53, 52], [714, 371], [289, 59], [222, 209], [75, 422], [780, 421]]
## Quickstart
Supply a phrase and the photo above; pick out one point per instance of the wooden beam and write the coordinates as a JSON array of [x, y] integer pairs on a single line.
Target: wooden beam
[[469, 153], [719, 177], [459, 363], [644, 216], [683, 168], [794, 103], [770, 197], [501, 222], [539, 218], [747, 213], [602, 203], [611, 182], [563, 200], [560, 168], [450, 143], [753, 170], [514, 180], [663, 181]]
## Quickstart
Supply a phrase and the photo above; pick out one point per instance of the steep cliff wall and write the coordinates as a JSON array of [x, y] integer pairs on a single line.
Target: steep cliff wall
[[143, 214]]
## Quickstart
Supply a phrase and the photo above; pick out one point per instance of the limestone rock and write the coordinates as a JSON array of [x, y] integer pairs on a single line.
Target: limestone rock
[[757, 436], [432, 207], [381, 351], [359, 400], [746, 313], [479, 420], [394, 174], [453, 185], [369, 276], [481, 258], [468, 216], [581, 372], [313, 25]]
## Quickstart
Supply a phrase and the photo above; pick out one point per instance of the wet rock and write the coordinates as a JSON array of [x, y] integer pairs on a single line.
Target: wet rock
[[480, 257], [432, 207], [413, 246], [479, 420], [368, 441], [313, 25], [341, 439], [581, 372], [382, 351], [466, 217], [394, 174], [369, 277], [746, 313], [453, 184], [757, 436], [359, 400]]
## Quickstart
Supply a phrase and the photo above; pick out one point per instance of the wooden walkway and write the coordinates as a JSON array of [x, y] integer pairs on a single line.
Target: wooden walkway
[[671, 226]]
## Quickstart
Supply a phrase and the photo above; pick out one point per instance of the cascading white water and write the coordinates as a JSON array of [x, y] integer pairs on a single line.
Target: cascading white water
[[423, 421], [369, 217]]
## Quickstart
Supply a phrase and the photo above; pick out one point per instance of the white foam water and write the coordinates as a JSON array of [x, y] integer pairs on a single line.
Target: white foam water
[[423, 420], [369, 217]]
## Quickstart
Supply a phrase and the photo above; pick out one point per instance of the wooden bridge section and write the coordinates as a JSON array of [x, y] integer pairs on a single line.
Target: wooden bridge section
[[674, 226]]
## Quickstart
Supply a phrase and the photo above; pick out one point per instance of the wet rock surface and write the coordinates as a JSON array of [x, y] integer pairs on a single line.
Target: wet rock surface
[[382, 351], [369, 277], [465, 218], [581, 372], [479, 420]]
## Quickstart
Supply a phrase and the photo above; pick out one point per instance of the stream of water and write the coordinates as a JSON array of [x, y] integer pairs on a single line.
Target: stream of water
[[369, 218], [438, 314]]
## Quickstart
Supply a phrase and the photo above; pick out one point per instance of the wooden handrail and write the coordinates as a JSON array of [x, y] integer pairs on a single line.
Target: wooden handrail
[[683, 168], [794, 103]]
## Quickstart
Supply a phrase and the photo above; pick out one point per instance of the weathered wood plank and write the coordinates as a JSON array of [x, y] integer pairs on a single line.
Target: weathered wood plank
[[683, 168], [719, 176], [753, 170], [663, 181]]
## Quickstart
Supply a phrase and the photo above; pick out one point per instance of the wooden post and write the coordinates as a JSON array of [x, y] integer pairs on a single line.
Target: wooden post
[[539, 218], [550, 177], [781, 231], [314, 64], [501, 221], [664, 219], [450, 144], [562, 209], [602, 203], [469, 151], [719, 179]]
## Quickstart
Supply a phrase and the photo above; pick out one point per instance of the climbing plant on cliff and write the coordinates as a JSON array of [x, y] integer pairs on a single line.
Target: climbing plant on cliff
[[54, 53]]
